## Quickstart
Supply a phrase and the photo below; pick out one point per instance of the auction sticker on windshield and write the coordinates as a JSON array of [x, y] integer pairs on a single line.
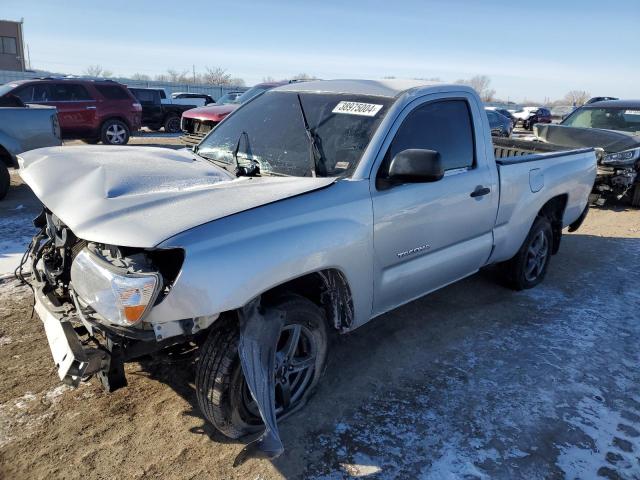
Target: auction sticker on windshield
[[358, 108]]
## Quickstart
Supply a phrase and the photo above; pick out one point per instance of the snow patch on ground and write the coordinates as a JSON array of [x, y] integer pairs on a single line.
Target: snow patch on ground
[[17, 231]]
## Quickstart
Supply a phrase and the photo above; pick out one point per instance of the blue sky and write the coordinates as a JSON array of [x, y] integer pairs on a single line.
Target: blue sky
[[534, 49]]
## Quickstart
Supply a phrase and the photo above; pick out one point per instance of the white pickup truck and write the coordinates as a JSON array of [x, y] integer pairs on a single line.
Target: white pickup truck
[[314, 206]]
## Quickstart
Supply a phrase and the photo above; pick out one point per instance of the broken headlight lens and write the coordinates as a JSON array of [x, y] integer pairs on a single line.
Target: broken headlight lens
[[119, 296], [624, 158]]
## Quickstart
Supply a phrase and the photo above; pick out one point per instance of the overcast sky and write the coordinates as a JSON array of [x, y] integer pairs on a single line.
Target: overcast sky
[[532, 49]]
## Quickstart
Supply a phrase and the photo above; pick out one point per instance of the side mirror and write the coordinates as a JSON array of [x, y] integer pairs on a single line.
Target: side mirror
[[415, 166]]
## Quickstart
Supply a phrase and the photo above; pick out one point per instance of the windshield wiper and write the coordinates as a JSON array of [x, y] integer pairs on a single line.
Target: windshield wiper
[[254, 168], [315, 155]]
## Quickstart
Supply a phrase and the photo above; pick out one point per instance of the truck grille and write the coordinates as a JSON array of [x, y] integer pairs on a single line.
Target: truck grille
[[195, 130]]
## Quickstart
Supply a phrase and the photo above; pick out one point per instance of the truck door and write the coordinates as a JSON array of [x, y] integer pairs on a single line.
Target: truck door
[[427, 235]]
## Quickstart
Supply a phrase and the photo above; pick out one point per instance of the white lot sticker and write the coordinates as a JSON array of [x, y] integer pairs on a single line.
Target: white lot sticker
[[357, 108], [632, 112], [342, 165]]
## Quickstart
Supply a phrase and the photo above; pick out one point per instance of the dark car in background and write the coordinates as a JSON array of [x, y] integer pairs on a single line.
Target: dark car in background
[[91, 110], [157, 114], [197, 123], [540, 115], [613, 127], [501, 126]]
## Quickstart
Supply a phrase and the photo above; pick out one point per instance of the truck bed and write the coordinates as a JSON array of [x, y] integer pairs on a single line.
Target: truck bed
[[531, 173]]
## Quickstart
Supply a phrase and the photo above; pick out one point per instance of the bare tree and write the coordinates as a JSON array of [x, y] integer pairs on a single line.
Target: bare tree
[[268, 79], [216, 76], [304, 76], [179, 77], [236, 82], [577, 97], [97, 71], [140, 76], [481, 84]]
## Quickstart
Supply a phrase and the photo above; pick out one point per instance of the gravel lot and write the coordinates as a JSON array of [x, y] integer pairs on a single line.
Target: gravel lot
[[473, 381]]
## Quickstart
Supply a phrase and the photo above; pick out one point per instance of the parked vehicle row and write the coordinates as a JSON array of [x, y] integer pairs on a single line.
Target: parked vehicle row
[[91, 110], [328, 203]]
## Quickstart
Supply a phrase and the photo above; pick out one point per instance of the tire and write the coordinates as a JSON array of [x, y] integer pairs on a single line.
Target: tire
[[529, 266], [5, 180], [114, 132], [91, 141], [635, 196], [172, 124], [222, 393]]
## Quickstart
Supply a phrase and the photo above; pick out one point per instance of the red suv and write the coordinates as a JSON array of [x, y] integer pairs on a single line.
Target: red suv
[[92, 110]]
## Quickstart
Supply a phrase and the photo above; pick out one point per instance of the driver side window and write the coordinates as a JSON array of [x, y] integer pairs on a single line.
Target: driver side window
[[444, 126]]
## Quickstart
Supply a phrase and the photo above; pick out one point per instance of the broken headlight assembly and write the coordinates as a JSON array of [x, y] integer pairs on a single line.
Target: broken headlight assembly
[[122, 296], [626, 158]]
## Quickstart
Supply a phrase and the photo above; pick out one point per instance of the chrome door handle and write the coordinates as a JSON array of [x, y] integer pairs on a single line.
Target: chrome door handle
[[90, 108], [480, 191]]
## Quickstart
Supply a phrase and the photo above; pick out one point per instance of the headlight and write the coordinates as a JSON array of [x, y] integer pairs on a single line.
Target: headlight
[[624, 158], [119, 296]]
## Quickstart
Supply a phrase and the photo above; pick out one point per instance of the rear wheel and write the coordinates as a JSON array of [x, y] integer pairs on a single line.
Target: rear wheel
[[635, 196], [5, 180], [529, 266], [221, 389], [172, 124], [114, 132]]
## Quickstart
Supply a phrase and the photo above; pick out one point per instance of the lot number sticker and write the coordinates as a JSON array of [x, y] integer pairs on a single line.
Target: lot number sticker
[[357, 108]]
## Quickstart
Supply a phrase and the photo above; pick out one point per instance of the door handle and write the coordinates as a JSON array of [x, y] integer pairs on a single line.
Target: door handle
[[480, 191], [90, 108]]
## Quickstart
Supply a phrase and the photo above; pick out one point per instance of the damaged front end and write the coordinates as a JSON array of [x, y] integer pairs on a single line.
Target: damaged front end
[[93, 298], [618, 177]]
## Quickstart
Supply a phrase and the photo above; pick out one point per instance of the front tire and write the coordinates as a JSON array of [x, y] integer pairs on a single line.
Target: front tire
[[221, 389], [529, 266], [114, 132], [5, 180]]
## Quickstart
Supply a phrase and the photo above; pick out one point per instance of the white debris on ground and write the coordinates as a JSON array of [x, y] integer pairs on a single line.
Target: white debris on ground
[[17, 231]]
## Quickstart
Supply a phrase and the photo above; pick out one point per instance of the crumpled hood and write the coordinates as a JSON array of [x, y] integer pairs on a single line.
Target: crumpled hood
[[610, 141], [140, 196]]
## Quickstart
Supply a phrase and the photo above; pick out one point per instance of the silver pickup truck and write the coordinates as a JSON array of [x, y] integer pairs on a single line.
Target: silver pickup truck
[[24, 128], [315, 206]]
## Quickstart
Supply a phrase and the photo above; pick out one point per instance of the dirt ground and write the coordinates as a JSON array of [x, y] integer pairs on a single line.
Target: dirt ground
[[473, 381]]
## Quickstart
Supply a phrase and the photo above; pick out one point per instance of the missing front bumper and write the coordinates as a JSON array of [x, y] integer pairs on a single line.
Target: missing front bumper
[[73, 360]]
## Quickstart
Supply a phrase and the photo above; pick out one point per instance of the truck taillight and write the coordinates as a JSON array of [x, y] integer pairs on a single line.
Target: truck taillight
[[137, 107]]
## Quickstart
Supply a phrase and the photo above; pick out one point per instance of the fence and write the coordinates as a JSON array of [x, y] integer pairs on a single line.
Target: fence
[[215, 91]]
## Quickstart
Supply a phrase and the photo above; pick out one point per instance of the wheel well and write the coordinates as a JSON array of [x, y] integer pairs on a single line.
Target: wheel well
[[328, 289], [554, 211]]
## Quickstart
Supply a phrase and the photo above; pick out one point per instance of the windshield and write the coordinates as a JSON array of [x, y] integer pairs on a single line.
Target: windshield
[[227, 98], [6, 88], [271, 131], [621, 119]]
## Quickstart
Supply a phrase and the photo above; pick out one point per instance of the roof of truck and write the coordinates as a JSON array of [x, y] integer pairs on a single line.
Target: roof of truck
[[381, 88]]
